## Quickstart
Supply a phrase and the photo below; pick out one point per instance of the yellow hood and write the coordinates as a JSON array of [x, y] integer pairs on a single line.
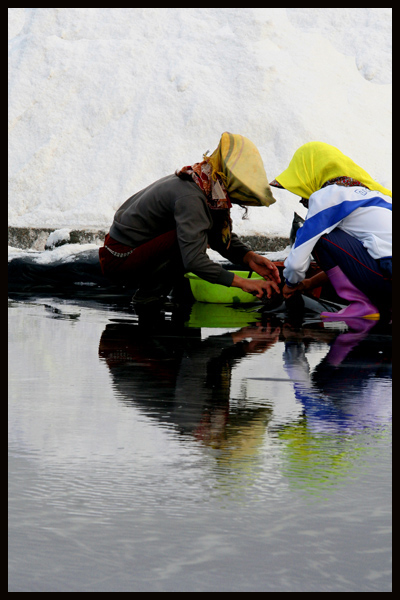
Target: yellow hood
[[315, 163]]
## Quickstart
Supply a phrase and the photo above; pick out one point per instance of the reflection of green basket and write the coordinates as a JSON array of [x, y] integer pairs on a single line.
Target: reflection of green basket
[[203, 291], [221, 315]]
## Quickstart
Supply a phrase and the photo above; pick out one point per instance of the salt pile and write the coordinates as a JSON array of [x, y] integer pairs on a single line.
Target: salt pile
[[103, 101]]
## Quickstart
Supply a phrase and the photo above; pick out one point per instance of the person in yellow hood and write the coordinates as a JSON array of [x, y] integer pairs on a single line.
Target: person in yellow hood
[[164, 230], [348, 230]]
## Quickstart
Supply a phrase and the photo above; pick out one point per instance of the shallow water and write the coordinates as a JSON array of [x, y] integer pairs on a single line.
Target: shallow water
[[213, 454]]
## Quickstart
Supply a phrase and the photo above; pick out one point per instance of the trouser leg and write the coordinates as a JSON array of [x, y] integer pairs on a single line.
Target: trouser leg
[[158, 281], [152, 268], [160, 267], [343, 250]]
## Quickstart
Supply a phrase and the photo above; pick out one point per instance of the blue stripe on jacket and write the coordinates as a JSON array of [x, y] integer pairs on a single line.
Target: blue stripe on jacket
[[328, 217]]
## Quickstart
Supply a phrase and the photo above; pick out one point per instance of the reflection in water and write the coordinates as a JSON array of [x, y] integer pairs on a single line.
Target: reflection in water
[[350, 388], [181, 378], [348, 392], [245, 456]]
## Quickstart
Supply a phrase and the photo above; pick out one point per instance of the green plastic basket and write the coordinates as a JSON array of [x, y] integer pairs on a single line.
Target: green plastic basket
[[213, 293]]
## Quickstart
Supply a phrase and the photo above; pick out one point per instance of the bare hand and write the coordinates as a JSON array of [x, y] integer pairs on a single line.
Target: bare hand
[[287, 292], [307, 285], [263, 266], [257, 287]]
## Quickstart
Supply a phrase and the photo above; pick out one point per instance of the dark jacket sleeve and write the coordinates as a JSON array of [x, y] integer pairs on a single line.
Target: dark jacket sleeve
[[236, 251], [193, 223]]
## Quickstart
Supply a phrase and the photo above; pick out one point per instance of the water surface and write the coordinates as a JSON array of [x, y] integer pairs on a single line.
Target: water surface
[[221, 452]]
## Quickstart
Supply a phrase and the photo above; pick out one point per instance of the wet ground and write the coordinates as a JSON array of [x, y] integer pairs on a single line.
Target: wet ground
[[222, 450]]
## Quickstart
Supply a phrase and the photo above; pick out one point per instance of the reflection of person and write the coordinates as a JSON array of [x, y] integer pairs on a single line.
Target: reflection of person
[[163, 230], [179, 378], [349, 388], [348, 229]]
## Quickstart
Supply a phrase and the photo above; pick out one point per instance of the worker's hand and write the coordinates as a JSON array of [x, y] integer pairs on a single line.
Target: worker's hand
[[263, 266], [257, 287], [305, 286], [287, 291]]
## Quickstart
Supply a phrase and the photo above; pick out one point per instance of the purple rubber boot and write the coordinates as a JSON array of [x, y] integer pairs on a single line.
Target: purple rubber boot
[[360, 305]]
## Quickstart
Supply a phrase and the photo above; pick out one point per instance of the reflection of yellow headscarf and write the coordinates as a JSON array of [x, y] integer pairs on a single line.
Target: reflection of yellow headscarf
[[315, 163], [239, 164]]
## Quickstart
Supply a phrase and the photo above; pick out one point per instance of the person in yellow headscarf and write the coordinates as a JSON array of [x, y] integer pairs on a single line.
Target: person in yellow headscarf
[[348, 230], [164, 230]]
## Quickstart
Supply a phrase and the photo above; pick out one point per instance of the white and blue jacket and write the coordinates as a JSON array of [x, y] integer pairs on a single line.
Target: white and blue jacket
[[362, 213]]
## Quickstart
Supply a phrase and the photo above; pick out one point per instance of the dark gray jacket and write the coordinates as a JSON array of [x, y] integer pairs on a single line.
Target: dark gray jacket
[[173, 203]]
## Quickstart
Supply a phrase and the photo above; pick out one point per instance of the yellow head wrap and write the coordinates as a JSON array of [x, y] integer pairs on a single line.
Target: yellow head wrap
[[315, 163], [239, 164]]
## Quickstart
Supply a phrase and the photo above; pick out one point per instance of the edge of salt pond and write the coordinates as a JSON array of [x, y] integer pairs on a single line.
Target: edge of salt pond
[[37, 238]]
